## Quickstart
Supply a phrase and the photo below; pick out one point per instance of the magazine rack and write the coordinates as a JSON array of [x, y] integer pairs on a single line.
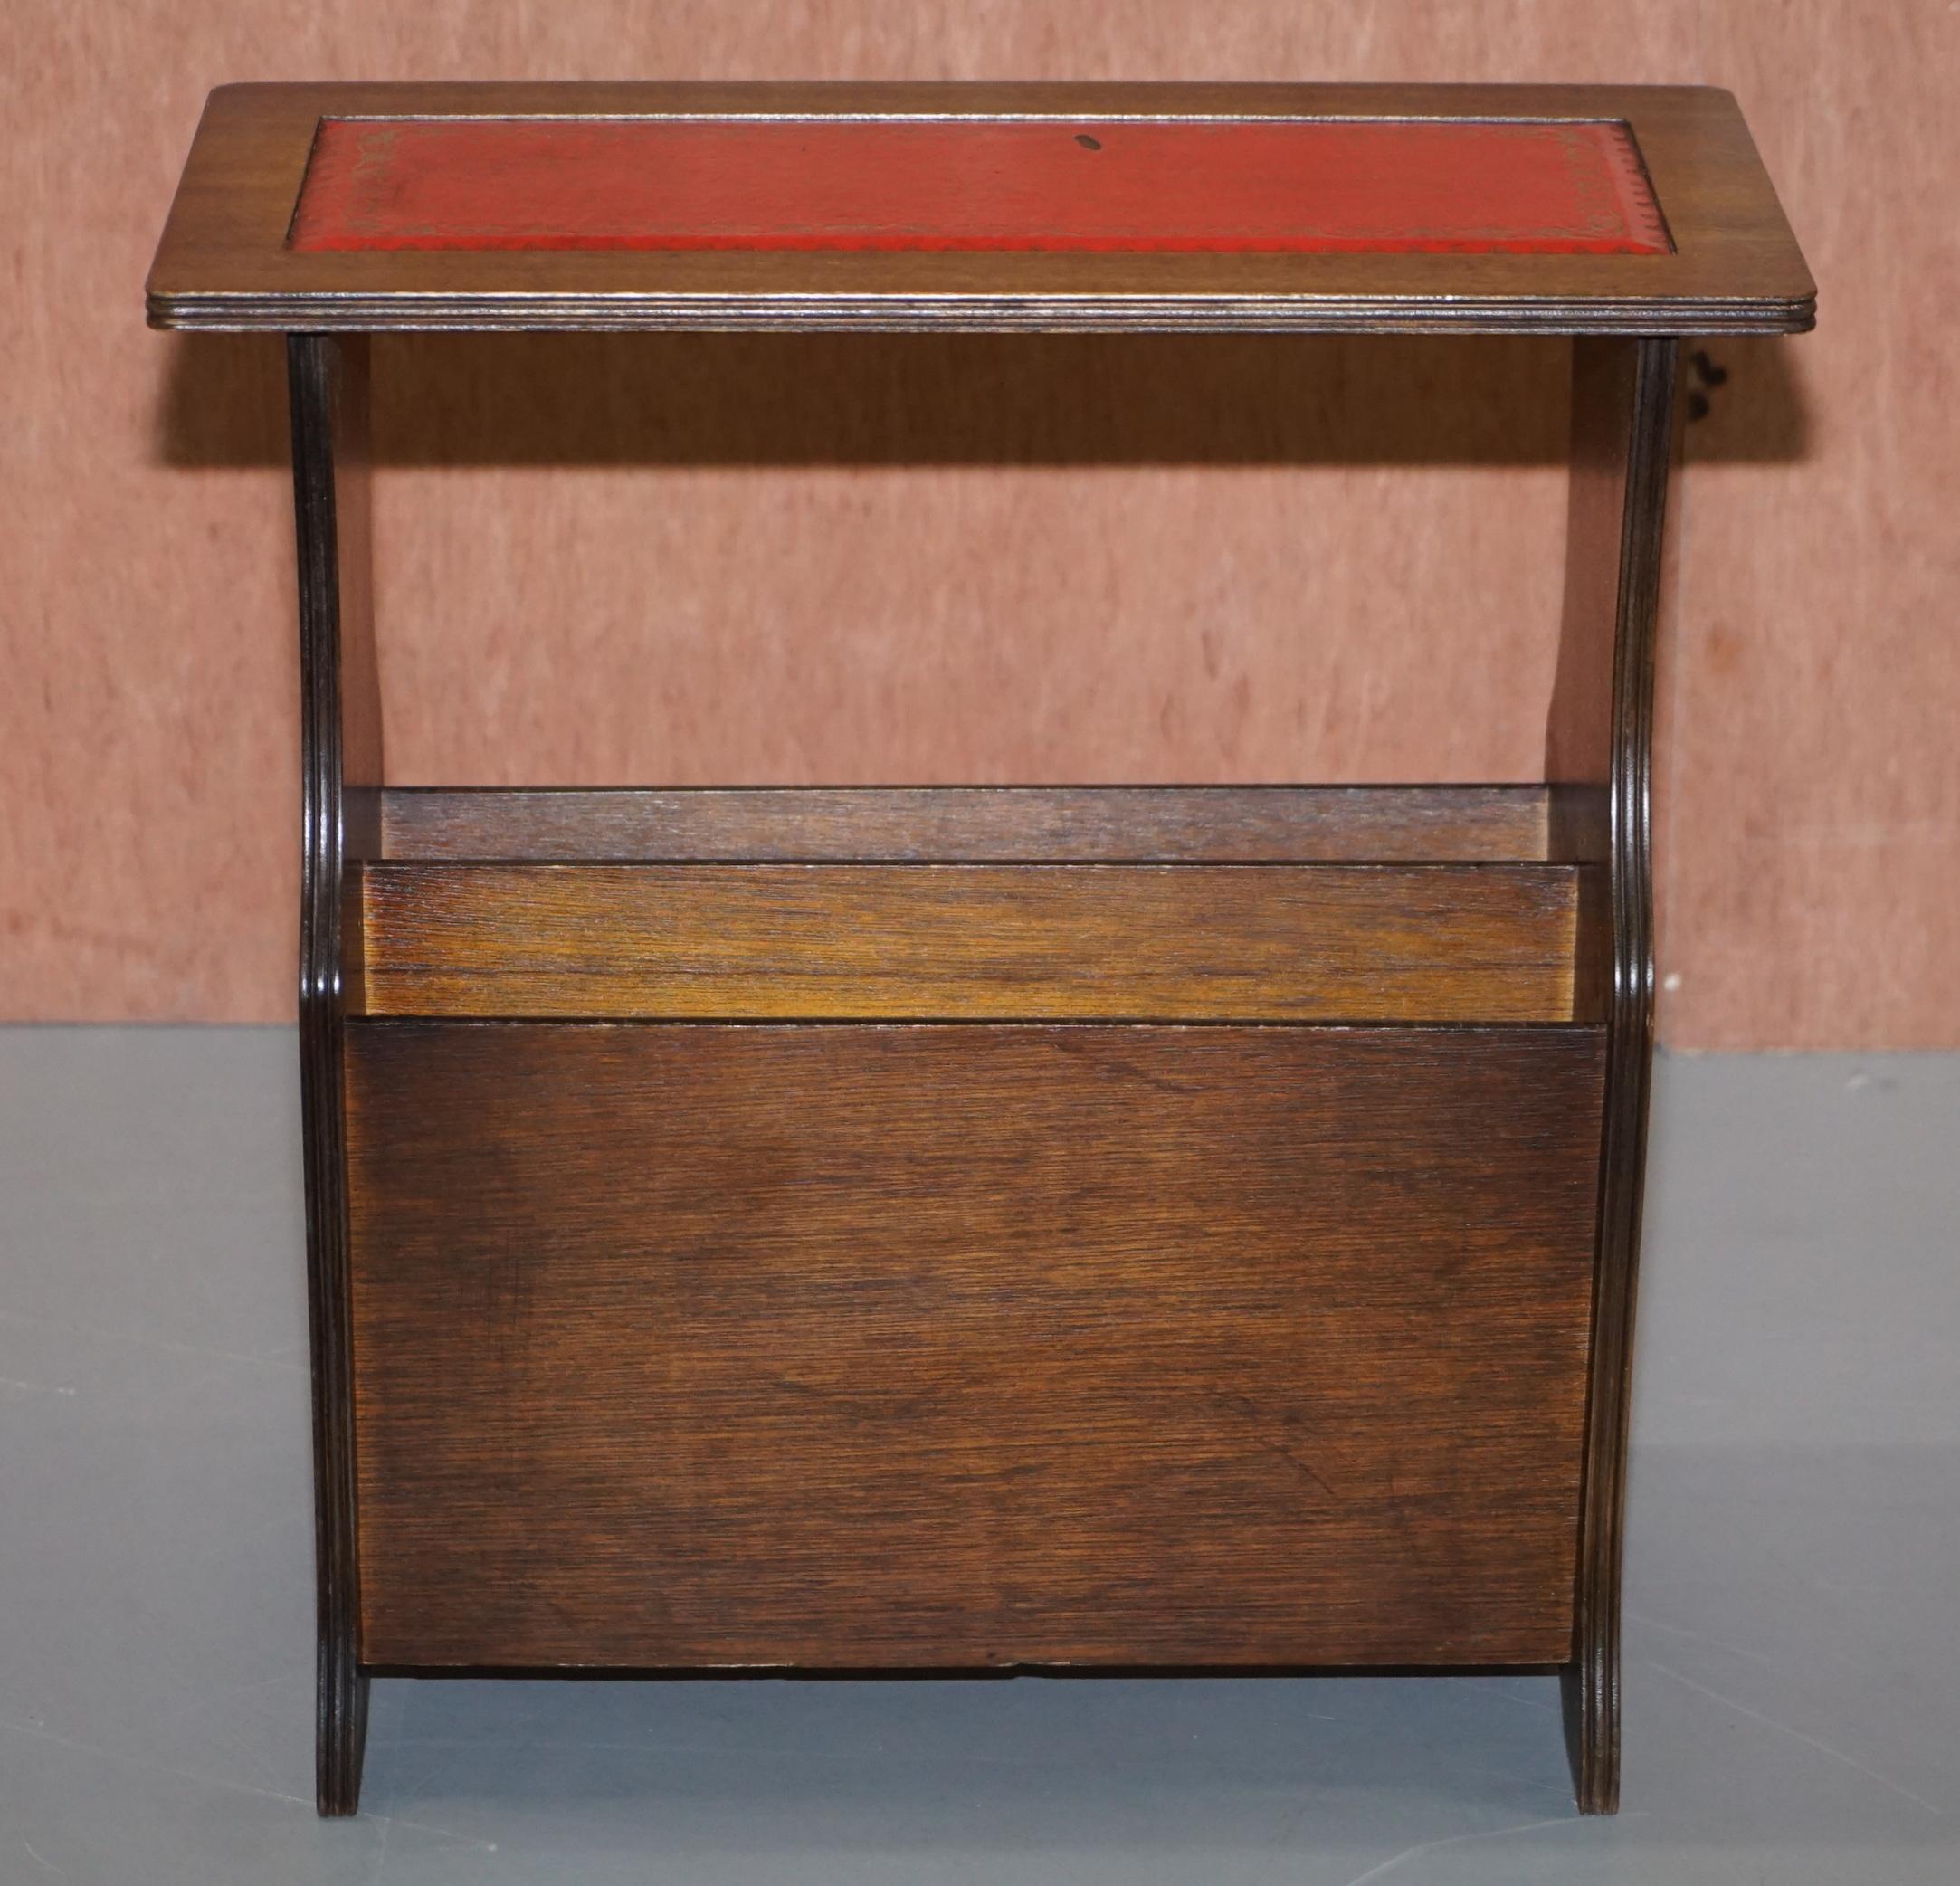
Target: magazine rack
[[982, 1228]]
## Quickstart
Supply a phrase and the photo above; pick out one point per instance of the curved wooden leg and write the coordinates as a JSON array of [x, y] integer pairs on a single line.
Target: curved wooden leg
[[341, 761], [1623, 395]]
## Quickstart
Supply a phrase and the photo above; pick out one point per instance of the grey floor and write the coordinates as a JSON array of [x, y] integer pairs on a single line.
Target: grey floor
[[1793, 1671]]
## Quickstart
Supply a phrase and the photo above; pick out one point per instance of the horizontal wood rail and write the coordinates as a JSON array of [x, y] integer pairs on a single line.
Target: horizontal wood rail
[[1258, 824], [753, 942]]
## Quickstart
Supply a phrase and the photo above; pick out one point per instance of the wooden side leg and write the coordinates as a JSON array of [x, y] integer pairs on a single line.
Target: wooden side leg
[[340, 756], [1601, 734]]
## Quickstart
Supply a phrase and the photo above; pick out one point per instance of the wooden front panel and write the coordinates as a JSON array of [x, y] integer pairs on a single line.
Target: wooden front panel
[[687, 1346], [727, 942]]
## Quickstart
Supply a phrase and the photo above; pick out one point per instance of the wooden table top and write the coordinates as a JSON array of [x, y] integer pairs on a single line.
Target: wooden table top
[[1306, 209]]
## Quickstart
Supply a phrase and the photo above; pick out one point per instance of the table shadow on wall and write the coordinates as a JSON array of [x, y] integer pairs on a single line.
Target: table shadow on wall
[[942, 399]]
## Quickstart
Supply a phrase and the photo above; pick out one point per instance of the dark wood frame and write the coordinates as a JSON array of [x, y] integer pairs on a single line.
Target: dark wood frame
[[221, 265], [341, 769], [1624, 392], [1624, 395]]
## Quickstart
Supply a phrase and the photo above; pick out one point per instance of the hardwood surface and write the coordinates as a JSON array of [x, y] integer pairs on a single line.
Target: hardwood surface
[[340, 726], [985, 824], [226, 261], [697, 1346], [1436, 943]]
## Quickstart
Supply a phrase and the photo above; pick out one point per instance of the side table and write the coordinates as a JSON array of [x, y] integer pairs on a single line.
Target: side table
[[978, 1228]]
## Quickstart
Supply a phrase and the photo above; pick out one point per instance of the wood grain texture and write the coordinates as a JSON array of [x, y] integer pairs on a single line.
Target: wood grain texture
[[994, 824], [224, 260], [340, 728], [687, 1347], [1435, 943], [686, 592]]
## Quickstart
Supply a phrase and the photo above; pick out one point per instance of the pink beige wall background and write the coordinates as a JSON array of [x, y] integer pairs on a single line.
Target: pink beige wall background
[[640, 560]]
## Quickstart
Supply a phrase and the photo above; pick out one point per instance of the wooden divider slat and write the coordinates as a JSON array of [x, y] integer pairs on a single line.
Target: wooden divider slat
[[1438, 943], [1273, 824]]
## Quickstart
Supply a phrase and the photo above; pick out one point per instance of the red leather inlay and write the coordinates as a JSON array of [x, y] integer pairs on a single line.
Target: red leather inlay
[[977, 182]]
